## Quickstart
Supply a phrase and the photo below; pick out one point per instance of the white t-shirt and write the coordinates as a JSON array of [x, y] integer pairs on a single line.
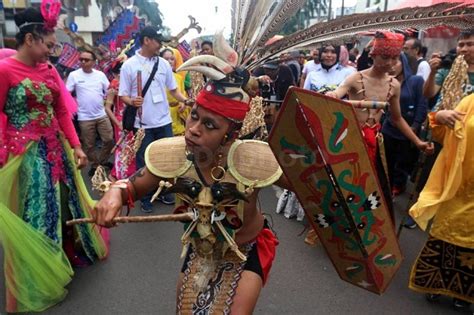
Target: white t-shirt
[[155, 108], [424, 69], [90, 92], [330, 79], [310, 66]]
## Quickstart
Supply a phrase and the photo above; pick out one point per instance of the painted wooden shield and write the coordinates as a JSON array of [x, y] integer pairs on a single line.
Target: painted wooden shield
[[320, 148]]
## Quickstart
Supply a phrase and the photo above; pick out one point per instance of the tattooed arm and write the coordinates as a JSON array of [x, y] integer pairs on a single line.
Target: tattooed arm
[[109, 206], [141, 183]]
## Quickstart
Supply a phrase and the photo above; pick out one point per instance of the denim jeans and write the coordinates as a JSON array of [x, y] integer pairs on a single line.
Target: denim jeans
[[151, 134]]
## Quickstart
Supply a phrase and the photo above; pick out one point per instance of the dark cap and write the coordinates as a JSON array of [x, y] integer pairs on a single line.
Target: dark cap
[[272, 65], [152, 32]]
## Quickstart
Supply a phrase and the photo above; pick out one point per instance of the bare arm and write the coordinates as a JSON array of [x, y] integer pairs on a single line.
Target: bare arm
[[430, 88], [109, 101], [302, 79], [178, 96], [111, 203]]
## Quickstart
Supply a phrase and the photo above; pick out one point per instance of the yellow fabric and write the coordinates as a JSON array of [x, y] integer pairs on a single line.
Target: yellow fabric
[[178, 62], [178, 118], [448, 195]]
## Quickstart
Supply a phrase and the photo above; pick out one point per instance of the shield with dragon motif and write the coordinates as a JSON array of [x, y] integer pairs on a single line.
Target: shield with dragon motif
[[319, 145]]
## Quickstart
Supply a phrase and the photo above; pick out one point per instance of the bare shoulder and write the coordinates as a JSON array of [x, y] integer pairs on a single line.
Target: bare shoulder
[[352, 79], [396, 86]]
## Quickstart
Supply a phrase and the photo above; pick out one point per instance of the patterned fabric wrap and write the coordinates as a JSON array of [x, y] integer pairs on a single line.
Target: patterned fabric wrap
[[444, 268], [121, 170], [40, 184], [387, 44], [33, 195]]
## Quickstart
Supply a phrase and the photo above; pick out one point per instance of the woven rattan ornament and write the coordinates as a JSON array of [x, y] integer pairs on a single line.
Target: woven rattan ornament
[[453, 87]]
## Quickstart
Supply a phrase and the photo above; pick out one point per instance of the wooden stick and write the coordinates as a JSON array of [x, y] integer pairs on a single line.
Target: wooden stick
[[119, 142], [187, 216], [139, 83], [139, 93], [369, 104]]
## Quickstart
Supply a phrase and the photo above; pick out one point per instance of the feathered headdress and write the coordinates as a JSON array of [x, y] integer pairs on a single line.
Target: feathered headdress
[[257, 21]]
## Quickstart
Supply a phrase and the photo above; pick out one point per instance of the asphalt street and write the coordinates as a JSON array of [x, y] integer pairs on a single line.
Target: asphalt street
[[140, 275]]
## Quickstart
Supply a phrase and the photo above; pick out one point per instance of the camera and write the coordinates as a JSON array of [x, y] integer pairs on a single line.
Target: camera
[[447, 61], [266, 88]]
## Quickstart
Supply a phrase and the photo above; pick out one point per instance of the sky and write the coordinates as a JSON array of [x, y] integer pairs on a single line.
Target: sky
[[212, 15]]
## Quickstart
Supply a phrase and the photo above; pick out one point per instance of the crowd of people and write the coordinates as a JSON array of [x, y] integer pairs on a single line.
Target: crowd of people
[[41, 156]]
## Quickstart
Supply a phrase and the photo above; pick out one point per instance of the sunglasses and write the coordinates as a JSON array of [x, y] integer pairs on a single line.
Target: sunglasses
[[84, 59]]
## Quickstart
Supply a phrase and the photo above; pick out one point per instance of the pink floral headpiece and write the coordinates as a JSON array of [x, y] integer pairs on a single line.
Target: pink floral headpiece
[[50, 10]]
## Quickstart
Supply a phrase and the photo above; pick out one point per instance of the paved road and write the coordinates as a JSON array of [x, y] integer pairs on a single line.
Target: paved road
[[139, 276]]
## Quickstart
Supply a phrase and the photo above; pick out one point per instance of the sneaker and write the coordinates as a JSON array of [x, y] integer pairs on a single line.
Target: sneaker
[[147, 208], [409, 223], [167, 199], [461, 305], [433, 297]]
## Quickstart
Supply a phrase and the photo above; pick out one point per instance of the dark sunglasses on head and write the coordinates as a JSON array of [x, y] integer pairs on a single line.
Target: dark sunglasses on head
[[84, 59]]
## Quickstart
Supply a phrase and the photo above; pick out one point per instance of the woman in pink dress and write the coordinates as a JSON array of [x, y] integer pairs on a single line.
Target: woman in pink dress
[[40, 157]]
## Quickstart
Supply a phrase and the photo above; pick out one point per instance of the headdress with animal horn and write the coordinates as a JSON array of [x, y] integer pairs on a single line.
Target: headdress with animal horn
[[226, 93]]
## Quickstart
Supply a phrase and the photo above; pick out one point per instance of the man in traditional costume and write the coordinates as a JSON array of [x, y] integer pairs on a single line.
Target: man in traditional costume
[[228, 247], [385, 52]]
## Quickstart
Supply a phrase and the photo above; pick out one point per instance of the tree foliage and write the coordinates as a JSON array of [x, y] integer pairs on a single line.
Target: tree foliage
[[311, 9]]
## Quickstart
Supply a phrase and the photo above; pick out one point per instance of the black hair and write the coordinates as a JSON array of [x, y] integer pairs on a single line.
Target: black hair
[[165, 50], [337, 49], [116, 68], [418, 46], [30, 21], [207, 42], [466, 34], [94, 56], [424, 51]]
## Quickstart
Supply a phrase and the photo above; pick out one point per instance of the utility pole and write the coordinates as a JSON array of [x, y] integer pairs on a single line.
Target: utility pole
[[342, 7], [70, 6], [330, 10]]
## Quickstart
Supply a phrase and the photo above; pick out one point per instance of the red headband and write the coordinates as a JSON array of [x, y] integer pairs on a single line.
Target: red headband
[[387, 44], [221, 105]]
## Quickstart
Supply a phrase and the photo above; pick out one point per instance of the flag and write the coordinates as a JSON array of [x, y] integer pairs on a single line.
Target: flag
[[184, 49], [69, 56]]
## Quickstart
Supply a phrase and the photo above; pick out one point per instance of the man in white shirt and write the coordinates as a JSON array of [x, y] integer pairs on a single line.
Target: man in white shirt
[[414, 48], [91, 87], [310, 66], [154, 114]]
